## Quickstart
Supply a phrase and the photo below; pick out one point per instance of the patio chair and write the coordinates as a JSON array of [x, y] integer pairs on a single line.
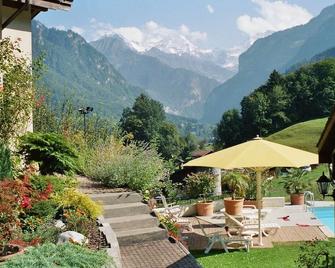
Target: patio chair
[[174, 212], [249, 227], [225, 240]]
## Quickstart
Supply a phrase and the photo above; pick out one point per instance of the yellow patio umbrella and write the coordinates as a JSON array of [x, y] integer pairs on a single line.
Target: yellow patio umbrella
[[259, 155]]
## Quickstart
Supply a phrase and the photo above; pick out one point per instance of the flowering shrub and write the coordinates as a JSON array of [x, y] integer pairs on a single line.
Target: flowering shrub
[[73, 199], [199, 184], [17, 97]]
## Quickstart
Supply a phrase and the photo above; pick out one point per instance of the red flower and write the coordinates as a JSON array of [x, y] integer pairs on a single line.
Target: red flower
[[26, 202]]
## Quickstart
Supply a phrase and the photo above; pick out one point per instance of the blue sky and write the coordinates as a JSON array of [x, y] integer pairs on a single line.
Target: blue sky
[[207, 24]]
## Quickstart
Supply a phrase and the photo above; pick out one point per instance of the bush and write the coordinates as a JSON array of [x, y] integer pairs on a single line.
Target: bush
[[43, 233], [59, 184], [200, 184], [5, 162], [65, 255], [136, 165], [315, 254], [53, 153], [73, 199]]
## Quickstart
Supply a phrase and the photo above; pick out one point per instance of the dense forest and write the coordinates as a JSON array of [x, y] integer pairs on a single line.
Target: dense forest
[[304, 94]]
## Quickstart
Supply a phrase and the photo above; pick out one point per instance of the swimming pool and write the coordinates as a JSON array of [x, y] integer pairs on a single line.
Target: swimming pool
[[325, 215]]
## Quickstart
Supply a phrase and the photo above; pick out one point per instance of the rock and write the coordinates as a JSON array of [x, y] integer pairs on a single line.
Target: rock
[[59, 224], [72, 237]]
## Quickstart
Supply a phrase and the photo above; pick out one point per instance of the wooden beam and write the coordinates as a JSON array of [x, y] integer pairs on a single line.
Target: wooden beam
[[63, 5], [45, 4], [15, 14]]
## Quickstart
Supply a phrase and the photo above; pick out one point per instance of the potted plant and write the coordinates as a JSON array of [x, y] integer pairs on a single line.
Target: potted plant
[[295, 184], [236, 183], [251, 190], [201, 184]]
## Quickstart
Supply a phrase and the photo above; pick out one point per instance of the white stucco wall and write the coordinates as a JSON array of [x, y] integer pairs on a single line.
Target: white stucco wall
[[20, 29]]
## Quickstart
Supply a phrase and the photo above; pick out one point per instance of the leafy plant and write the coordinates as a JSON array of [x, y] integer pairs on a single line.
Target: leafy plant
[[59, 183], [236, 183], [135, 165], [5, 162], [65, 255], [51, 151], [294, 182], [251, 190], [77, 220], [314, 254], [73, 199], [170, 225], [17, 97], [200, 184]]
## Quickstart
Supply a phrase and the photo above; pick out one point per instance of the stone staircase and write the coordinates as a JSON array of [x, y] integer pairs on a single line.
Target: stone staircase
[[129, 218]]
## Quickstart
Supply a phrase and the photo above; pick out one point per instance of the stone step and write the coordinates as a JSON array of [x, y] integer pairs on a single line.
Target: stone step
[[126, 209], [117, 198], [132, 222], [130, 237]]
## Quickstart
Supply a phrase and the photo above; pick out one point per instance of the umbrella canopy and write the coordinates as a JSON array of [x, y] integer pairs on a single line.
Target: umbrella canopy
[[257, 154]]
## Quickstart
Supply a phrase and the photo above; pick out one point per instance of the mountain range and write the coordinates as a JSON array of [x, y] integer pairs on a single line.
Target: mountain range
[[76, 70], [279, 51], [182, 91], [109, 73]]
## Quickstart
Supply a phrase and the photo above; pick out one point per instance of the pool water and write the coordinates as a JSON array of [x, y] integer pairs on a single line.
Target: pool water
[[326, 216]]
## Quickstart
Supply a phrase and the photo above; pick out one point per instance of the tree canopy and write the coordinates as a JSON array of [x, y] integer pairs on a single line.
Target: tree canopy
[[308, 93]]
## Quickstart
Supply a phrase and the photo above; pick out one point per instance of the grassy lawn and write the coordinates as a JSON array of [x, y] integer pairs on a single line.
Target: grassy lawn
[[303, 136], [281, 255]]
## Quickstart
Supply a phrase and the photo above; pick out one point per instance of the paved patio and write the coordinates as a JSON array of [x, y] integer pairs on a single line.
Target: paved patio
[[296, 224], [156, 254]]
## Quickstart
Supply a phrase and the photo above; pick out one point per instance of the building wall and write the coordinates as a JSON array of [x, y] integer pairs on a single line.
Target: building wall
[[19, 30]]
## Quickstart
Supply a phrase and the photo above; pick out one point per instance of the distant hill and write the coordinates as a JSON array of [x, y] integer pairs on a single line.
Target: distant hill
[[75, 69], [182, 92], [279, 51], [303, 136]]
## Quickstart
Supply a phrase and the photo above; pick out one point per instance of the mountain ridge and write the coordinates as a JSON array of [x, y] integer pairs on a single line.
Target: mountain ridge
[[278, 51]]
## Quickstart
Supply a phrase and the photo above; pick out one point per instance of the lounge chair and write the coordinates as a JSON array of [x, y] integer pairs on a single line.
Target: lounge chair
[[247, 227], [174, 212], [225, 239]]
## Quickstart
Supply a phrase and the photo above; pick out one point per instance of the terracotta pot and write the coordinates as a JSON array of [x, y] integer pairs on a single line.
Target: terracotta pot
[[233, 207], [297, 199], [205, 208], [252, 203]]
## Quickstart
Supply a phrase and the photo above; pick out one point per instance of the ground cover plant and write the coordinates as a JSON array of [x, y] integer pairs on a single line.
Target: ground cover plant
[[281, 255], [65, 255]]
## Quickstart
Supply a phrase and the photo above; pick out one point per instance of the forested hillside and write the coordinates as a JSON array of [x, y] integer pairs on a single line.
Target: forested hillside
[[284, 100]]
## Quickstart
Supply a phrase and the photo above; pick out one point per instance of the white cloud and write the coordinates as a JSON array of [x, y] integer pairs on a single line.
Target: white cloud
[[210, 9], [152, 34], [77, 30], [273, 16]]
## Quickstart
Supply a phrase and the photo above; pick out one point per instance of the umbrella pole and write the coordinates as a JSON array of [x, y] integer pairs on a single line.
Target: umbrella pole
[[259, 204]]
